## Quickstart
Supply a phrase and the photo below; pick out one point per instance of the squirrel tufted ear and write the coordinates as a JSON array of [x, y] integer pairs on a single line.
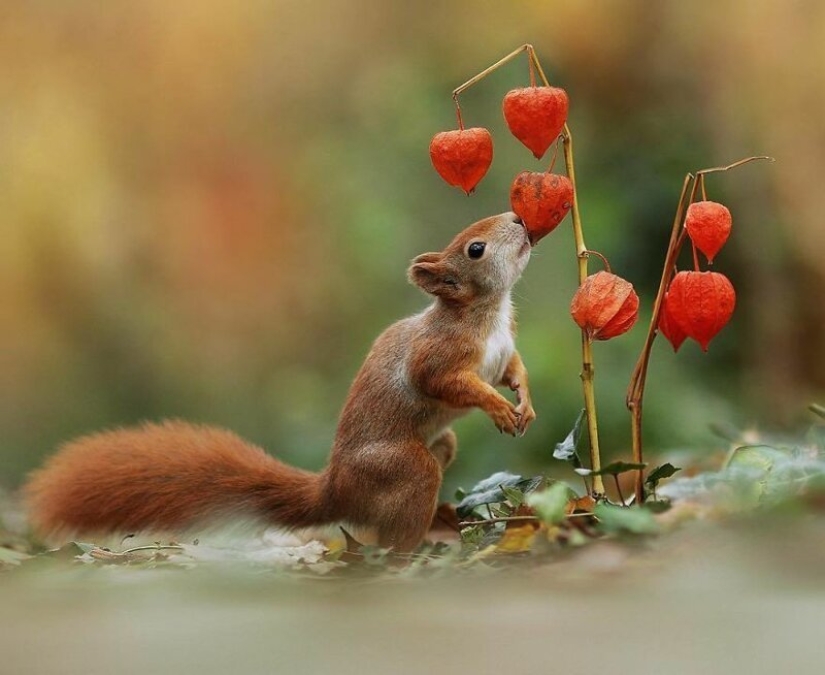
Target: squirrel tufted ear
[[430, 273]]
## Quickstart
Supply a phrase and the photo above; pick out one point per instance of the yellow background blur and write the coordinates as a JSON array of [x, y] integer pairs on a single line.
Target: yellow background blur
[[208, 208]]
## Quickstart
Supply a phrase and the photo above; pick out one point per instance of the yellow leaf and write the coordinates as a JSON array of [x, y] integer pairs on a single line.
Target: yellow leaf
[[517, 539]]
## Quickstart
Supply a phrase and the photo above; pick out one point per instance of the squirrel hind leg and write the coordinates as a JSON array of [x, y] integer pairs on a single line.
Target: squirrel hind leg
[[404, 529], [444, 448], [407, 507]]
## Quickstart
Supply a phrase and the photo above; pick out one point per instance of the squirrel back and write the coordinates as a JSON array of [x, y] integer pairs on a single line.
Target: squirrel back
[[393, 439]]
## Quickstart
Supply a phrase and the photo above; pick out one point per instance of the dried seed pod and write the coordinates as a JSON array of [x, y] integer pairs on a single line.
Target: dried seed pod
[[541, 200], [701, 303], [669, 328], [708, 224], [605, 306], [536, 116], [462, 156]]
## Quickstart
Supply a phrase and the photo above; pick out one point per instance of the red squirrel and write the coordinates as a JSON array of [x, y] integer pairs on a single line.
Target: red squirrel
[[392, 443]]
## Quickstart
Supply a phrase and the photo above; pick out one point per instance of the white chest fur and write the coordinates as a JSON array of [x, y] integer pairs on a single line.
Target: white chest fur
[[500, 345]]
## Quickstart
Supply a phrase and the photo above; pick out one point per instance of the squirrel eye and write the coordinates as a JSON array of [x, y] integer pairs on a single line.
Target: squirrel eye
[[476, 249]]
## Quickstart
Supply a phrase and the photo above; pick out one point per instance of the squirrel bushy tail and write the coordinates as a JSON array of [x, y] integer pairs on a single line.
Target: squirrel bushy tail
[[169, 476]]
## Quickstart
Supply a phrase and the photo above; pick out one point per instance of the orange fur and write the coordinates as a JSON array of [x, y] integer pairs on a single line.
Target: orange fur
[[392, 443], [170, 476]]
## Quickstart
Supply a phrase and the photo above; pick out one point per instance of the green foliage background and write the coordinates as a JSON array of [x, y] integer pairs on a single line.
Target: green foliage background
[[208, 208]]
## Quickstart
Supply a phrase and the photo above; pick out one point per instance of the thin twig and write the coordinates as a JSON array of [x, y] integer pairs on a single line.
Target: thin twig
[[507, 519], [502, 519], [484, 73], [154, 547], [746, 160]]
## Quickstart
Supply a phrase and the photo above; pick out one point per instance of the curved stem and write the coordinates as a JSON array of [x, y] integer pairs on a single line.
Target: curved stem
[[604, 260], [635, 392]]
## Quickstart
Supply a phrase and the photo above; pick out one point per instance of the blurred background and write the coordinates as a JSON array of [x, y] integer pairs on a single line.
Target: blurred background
[[208, 209]]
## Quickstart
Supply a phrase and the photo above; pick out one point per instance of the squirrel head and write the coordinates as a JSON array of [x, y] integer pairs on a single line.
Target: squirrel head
[[486, 259]]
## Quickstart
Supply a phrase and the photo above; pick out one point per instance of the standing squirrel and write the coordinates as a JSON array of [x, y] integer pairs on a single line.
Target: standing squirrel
[[392, 443]]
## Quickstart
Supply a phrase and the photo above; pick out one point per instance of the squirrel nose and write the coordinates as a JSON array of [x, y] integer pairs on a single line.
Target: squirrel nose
[[518, 221]]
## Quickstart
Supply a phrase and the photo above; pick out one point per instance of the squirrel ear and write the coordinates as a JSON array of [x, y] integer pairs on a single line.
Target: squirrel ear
[[429, 272]]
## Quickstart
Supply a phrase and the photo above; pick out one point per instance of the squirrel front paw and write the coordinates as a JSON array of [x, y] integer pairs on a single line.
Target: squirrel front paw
[[506, 417], [526, 415]]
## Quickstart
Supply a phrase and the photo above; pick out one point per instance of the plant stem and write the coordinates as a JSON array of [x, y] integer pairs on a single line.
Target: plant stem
[[619, 489], [635, 391], [588, 371]]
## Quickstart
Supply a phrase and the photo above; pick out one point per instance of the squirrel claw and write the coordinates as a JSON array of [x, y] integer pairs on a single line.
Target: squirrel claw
[[526, 415], [507, 419]]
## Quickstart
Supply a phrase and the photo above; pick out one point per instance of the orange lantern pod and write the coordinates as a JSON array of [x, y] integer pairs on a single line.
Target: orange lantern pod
[[708, 224], [541, 200], [669, 328], [536, 116], [701, 303], [462, 156], [605, 306]]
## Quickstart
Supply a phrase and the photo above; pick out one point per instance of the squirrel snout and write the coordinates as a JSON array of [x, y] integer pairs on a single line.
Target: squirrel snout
[[510, 217]]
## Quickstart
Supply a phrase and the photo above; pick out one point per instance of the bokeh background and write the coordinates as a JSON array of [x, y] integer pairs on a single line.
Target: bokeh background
[[208, 208]]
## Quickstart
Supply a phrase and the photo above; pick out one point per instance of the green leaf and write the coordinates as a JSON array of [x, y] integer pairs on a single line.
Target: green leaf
[[550, 504], [514, 495], [615, 468], [660, 473], [767, 474], [758, 457], [500, 512], [620, 519], [566, 450], [491, 491]]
